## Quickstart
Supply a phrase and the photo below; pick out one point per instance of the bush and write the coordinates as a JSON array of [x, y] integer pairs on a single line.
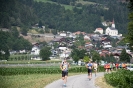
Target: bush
[[121, 78]]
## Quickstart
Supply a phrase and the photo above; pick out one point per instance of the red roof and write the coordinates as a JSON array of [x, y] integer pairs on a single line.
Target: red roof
[[99, 29]]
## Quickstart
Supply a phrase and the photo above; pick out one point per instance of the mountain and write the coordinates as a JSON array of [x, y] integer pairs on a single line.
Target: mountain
[[63, 15]]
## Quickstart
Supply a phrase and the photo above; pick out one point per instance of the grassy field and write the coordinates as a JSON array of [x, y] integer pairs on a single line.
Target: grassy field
[[29, 81], [67, 7], [44, 1], [31, 62], [85, 2], [40, 80]]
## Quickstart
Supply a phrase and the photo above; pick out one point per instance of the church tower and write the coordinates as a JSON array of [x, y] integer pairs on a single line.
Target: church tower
[[113, 24]]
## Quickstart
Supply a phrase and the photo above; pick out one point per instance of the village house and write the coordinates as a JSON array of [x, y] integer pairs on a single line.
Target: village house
[[35, 50], [63, 34], [104, 52], [86, 37], [99, 30]]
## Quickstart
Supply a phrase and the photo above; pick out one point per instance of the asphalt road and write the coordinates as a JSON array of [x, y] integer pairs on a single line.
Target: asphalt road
[[78, 81]]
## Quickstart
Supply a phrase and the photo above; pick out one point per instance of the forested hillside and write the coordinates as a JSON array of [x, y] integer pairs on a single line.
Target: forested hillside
[[82, 17]]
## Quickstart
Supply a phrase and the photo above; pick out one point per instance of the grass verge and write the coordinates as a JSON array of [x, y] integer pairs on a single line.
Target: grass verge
[[29, 81], [101, 82]]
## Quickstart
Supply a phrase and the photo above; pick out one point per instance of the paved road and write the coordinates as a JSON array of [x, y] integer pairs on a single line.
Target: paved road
[[78, 81]]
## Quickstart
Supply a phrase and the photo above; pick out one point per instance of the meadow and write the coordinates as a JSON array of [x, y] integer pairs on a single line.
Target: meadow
[[40, 76], [29, 81], [34, 77]]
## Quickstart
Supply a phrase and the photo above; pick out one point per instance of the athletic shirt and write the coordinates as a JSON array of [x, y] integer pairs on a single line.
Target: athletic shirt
[[65, 66], [95, 66], [89, 65]]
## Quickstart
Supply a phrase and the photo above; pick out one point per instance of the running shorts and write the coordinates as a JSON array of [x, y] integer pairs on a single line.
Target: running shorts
[[64, 73]]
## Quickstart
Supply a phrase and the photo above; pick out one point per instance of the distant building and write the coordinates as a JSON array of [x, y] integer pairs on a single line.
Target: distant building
[[100, 30], [86, 37], [112, 31], [35, 50], [63, 34]]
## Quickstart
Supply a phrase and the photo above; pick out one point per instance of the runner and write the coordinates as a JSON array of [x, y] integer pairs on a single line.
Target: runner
[[117, 66], [95, 67], [64, 67], [106, 69], [89, 66]]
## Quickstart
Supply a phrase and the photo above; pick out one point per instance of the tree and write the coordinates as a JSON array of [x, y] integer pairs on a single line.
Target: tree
[[45, 53], [95, 56], [40, 24], [24, 31], [76, 58], [130, 24], [109, 58], [124, 57], [4, 48], [86, 59], [78, 54], [15, 32]]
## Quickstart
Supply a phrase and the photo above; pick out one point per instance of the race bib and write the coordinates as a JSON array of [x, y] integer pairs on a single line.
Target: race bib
[[89, 67]]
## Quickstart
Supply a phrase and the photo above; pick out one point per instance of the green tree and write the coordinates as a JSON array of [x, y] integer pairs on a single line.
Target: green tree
[[76, 58], [124, 57], [15, 32], [78, 54], [45, 53], [109, 58], [4, 48], [24, 31], [95, 56], [86, 59], [130, 24], [40, 24]]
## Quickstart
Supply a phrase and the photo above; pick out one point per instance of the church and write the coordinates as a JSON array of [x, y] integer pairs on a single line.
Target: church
[[112, 31]]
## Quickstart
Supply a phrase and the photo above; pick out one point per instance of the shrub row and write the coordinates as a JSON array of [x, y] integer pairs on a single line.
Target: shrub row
[[120, 79], [29, 70]]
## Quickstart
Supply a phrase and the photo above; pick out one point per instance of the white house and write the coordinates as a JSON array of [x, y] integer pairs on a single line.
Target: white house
[[107, 46], [86, 37], [35, 50], [104, 24], [111, 30], [100, 30], [63, 34], [22, 51], [64, 55]]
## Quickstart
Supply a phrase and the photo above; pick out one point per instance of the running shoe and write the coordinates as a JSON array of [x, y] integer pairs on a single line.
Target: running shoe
[[64, 85]]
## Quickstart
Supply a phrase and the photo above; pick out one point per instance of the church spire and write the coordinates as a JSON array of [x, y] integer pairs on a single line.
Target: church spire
[[113, 23]]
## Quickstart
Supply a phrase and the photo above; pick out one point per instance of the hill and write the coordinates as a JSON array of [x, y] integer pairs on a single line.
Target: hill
[[63, 15]]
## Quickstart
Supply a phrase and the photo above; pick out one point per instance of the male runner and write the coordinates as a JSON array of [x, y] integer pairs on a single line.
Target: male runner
[[64, 67], [95, 66], [89, 66]]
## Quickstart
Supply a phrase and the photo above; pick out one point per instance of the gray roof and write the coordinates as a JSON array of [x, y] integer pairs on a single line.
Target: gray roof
[[112, 28]]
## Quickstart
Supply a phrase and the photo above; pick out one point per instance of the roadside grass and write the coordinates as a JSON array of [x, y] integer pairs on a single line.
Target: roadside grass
[[29, 81], [101, 82]]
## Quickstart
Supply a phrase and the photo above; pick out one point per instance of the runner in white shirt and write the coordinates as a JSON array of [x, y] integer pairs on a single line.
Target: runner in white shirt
[[64, 67], [95, 66]]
